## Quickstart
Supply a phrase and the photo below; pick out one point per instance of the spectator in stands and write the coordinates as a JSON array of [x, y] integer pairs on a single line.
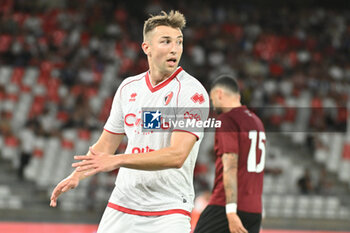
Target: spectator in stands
[[273, 167], [27, 139], [324, 184], [305, 183]]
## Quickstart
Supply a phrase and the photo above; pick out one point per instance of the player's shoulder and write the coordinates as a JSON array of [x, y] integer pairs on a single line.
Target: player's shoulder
[[236, 114], [190, 83], [132, 79], [226, 117], [246, 117]]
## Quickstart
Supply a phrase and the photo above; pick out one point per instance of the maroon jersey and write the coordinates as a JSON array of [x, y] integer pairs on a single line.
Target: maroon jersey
[[242, 133]]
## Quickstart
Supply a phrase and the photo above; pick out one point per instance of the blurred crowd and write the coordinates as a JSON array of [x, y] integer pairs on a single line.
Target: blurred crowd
[[283, 57]]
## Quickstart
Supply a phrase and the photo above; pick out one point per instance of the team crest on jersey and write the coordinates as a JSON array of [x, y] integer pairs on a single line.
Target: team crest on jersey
[[198, 98], [168, 98], [133, 97]]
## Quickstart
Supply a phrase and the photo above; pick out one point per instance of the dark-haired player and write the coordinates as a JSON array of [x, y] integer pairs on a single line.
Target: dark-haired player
[[235, 204]]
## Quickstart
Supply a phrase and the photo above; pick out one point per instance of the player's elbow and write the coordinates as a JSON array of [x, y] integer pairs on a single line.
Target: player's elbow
[[179, 158], [178, 164]]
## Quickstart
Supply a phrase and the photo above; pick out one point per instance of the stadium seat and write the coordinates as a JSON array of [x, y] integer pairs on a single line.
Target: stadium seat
[[344, 171], [63, 165], [335, 152], [10, 150], [332, 206], [96, 103], [30, 76], [303, 207], [344, 213], [33, 168], [15, 202], [5, 74], [49, 161], [321, 155], [1, 143], [273, 205], [289, 206], [317, 206], [268, 184], [5, 191]]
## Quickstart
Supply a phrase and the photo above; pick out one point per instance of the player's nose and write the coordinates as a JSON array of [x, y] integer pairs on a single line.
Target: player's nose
[[174, 48]]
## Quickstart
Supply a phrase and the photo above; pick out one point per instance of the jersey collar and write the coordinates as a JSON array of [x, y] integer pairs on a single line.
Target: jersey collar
[[162, 84]]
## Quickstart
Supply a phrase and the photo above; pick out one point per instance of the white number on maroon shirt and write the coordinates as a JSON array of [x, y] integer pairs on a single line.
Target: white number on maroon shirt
[[251, 164]]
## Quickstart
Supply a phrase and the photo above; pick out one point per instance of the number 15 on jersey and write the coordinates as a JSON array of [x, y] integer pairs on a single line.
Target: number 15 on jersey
[[255, 137]]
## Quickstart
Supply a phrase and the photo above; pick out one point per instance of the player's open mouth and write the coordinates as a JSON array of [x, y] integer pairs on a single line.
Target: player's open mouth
[[171, 61]]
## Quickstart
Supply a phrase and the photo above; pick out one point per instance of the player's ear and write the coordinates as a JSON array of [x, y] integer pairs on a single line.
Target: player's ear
[[145, 48], [219, 93]]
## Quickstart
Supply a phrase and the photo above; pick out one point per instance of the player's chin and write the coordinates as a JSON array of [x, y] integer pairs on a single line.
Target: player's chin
[[171, 67]]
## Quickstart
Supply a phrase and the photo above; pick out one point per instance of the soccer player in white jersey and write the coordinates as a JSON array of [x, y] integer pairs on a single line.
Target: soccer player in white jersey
[[154, 187]]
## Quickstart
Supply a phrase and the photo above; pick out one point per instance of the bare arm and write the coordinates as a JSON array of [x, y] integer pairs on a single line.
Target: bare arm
[[170, 157], [230, 164], [107, 143]]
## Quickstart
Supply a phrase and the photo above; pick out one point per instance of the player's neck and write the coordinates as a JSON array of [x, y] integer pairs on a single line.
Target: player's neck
[[231, 105], [157, 77]]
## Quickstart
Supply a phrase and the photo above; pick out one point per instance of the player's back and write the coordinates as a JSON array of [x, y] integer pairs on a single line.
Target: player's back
[[250, 134]]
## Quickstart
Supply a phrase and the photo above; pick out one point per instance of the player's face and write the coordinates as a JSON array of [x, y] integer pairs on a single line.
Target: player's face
[[164, 49]]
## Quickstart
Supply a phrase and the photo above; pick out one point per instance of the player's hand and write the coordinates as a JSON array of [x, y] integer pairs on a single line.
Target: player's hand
[[235, 224], [98, 162], [68, 183]]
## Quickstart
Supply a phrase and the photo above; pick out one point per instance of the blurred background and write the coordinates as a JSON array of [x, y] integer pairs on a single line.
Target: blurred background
[[61, 62]]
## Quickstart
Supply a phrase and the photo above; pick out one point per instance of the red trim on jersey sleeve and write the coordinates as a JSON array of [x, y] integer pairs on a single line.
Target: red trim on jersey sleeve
[[163, 84], [187, 132], [113, 132], [147, 213]]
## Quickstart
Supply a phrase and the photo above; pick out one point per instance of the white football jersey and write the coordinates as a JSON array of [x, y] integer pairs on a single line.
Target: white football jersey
[[164, 191]]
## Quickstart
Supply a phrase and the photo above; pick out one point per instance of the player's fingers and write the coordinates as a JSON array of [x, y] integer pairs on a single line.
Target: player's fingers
[[53, 198], [91, 172], [235, 230], [85, 168], [243, 230], [56, 192], [53, 203], [82, 163], [82, 157]]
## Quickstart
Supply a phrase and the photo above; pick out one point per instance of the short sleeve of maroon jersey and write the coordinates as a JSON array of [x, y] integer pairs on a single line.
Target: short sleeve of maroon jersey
[[226, 136]]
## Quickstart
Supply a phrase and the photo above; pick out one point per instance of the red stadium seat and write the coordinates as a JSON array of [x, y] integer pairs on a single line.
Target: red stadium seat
[[346, 151], [84, 134]]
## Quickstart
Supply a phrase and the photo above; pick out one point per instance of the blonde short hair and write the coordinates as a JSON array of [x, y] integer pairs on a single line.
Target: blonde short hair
[[174, 19]]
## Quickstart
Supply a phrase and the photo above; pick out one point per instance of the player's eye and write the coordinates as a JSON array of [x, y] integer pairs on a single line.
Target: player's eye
[[165, 41]]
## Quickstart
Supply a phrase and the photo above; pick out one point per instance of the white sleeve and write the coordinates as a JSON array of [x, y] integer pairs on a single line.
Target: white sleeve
[[193, 105], [115, 122]]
